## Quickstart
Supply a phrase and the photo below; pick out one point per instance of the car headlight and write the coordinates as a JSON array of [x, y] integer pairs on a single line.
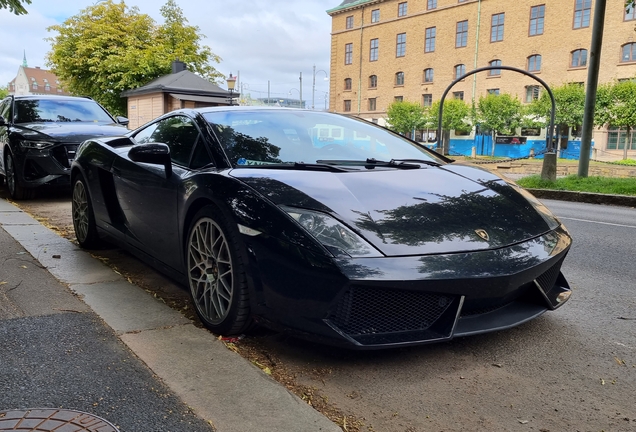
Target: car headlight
[[334, 235], [39, 145]]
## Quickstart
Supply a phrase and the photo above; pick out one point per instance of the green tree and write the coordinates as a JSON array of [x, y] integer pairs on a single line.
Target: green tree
[[456, 116], [616, 107], [15, 6], [4, 92], [109, 48], [404, 116], [570, 105], [501, 114]]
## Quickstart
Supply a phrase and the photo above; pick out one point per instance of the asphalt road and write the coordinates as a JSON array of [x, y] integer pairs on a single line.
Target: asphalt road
[[570, 370]]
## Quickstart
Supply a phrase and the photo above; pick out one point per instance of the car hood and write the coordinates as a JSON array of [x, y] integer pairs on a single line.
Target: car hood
[[70, 132], [445, 209]]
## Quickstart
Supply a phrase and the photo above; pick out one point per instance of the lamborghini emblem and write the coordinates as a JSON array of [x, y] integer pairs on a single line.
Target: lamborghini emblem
[[483, 234]]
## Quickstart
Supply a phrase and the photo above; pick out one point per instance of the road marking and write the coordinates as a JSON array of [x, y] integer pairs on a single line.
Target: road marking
[[597, 222]]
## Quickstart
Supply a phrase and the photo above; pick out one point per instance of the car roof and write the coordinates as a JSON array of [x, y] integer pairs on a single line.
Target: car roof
[[52, 97]]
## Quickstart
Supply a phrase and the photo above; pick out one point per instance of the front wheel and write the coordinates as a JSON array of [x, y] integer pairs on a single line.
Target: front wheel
[[16, 191], [216, 273], [83, 216]]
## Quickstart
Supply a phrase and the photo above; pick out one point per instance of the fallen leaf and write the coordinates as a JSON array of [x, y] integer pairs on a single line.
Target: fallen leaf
[[522, 421], [602, 381], [3, 283], [24, 266], [619, 361]]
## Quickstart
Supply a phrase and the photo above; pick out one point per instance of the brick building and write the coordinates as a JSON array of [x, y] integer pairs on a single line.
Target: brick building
[[386, 50]]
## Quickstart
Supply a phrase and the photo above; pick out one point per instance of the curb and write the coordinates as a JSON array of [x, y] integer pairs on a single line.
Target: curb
[[585, 197]]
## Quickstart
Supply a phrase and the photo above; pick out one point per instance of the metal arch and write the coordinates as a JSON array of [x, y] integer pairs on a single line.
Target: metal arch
[[511, 68]]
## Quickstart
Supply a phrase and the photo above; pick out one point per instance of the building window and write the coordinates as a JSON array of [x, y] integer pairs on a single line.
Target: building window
[[373, 81], [617, 139], [629, 52], [532, 93], [35, 86], [347, 105], [630, 13], [458, 95], [402, 9], [579, 58], [460, 70], [348, 53], [398, 99], [428, 75], [432, 4], [429, 42], [494, 72], [427, 100], [400, 46], [350, 22], [372, 106], [347, 84], [582, 11], [373, 51], [537, 15], [534, 63], [47, 87], [493, 91], [375, 15], [497, 27], [461, 34], [399, 79]]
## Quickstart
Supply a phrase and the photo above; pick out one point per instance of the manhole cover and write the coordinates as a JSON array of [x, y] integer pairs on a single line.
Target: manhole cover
[[50, 419]]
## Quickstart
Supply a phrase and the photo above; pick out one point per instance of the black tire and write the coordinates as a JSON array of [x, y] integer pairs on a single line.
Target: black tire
[[83, 216], [17, 191], [216, 273]]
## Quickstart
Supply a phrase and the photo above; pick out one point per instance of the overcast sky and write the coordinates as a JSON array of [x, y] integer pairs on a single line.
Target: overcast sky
[[263, 40]]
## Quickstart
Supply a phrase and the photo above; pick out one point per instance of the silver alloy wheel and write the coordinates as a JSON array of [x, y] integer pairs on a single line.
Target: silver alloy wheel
[[10, 174], [80, 211], [210, 270]]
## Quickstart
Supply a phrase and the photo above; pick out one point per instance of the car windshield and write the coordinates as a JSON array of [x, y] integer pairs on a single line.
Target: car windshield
[[63, 110], [260, 137]]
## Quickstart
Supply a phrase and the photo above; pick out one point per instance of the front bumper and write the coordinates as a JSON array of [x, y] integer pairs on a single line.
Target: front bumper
[[398, 301], [47, 166]]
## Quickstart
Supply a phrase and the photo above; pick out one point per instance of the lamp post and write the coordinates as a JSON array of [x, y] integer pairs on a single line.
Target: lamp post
[[300, 103], [313, 91], [231, 82]]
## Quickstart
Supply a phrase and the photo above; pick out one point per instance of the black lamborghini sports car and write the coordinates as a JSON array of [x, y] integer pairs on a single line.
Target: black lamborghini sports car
[[322, 224]]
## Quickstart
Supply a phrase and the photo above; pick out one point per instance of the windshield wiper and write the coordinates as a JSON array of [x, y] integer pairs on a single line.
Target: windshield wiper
[[420, 161], [298, 166], [372, 163]]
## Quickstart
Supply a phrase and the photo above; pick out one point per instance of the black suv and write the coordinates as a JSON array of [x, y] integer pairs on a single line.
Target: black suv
[[40, 134]]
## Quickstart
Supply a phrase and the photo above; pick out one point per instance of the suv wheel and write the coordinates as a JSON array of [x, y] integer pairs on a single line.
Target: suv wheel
[[16, 191]]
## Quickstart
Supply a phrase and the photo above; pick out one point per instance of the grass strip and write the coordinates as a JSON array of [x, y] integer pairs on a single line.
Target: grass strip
[[603, 185]]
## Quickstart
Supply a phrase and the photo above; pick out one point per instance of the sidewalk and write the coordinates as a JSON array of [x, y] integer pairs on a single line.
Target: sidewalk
[[106, 347]]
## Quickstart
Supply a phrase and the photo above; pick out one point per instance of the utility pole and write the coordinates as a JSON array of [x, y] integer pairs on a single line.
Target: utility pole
[[301, 90], [592, 84]]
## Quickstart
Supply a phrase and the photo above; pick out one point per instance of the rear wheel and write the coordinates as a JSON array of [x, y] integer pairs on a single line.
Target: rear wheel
[[16, 191], [216, 273], [83, 217]]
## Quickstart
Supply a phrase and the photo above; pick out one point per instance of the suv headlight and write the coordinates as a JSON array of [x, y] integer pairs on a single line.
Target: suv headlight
[[39, 145], [334, 235]]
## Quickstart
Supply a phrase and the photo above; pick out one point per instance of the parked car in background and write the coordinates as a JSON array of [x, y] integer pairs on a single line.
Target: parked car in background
[[322, 224], [39, 136]]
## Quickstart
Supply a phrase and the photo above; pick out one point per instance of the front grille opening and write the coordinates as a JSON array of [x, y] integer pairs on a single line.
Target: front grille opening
[[372, 311], [547, 280], [64, 154]]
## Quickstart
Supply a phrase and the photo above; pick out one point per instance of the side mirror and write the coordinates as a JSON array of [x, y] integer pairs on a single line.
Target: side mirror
[[152, 153], [122, 120]]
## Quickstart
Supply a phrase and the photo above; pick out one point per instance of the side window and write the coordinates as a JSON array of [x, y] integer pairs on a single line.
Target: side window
[[178, 132], [201, 157]]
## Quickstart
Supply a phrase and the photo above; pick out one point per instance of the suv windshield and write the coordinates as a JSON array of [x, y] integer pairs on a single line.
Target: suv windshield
[[64, 110], [285, 136]]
